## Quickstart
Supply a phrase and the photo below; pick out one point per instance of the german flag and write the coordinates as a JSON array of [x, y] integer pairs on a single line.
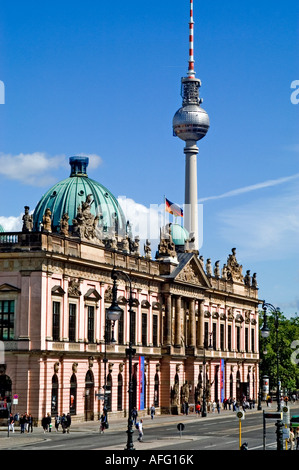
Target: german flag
[[173, 209]]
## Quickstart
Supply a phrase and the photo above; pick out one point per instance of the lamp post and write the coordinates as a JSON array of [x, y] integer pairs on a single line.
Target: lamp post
[[204, 404], [130, 352], [113, 314], [265, 334]]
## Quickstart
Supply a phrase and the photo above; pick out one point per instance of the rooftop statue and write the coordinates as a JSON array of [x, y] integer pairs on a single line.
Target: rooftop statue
[[84, 225], [234, 268], [27, 221]]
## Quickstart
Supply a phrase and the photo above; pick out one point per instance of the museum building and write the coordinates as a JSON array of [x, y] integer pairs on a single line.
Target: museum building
[[194, 325]]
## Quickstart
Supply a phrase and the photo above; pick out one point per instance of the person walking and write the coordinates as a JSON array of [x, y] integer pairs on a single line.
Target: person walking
[[197, 409], [153, 411], [11, 423], [68, 422], [103, 420], [63, 423], [134, 415], [49, 422], [57, 422], [140, 430], [292, 439], [218, 406], [30, 423], [22, 423], [45, 424]]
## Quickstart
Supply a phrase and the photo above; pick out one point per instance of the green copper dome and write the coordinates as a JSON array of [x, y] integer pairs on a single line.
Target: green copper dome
[[67, 195], [179, 234]]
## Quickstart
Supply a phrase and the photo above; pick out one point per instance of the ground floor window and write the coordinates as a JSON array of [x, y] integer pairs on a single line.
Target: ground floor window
[[73, 395]]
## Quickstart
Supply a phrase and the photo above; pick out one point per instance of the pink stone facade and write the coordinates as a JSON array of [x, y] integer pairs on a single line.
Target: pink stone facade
[[54, 357]]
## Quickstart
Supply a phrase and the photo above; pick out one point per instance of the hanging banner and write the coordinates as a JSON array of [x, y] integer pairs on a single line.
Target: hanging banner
[[141, 383], [222, 380]]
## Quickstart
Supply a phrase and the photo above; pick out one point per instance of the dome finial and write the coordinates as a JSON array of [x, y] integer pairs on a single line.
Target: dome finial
[[79, 165]]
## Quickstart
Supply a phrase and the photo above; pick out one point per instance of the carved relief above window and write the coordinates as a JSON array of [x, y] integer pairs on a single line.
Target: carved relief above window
[[74, 288]]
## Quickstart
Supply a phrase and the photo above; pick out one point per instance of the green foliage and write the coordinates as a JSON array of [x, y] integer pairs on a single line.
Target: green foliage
[[282, 346]]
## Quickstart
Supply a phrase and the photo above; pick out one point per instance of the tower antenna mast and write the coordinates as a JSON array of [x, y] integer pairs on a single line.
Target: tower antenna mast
[[191, 72], [191, 123]]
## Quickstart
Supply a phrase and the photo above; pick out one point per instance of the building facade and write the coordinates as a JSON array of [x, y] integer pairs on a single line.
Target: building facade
[[55, 288]]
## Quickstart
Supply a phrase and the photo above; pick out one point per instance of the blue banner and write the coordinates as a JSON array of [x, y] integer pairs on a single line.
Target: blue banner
[[141, 383], [222, 379]]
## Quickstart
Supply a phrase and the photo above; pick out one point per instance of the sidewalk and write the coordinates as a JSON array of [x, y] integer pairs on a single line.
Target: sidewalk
[[17, 439]]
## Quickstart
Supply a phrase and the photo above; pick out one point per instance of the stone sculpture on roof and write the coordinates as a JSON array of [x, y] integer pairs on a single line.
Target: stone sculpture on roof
[[234, 268], [27, 221], [85, 223]]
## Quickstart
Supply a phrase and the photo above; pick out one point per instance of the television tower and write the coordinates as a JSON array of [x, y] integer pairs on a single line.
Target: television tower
[[191, 123]]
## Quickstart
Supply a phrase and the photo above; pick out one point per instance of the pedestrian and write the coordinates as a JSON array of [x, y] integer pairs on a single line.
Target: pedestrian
[[292, 439], [22, 423], [103, 420], [134, 415], [26, 422], [57, 422], [197, 409], [30, 423], [153, 411], [11, 423], [297, 439], [49, 422], [218, 406], [45, 424], [140, 430], [63, 423], [68, 422]]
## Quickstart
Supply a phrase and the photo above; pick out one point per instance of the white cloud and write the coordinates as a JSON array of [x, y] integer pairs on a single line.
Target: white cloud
[[11, 224], [146, 222], [35, 168], [264, 229]]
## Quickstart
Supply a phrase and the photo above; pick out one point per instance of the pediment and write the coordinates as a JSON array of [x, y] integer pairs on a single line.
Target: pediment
[[57, 290], [92, 294], [9, 288], [192, 272]]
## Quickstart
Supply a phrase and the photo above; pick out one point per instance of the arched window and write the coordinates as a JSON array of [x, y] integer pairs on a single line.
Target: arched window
[[156, 391], [73, 395], [89, 396], [231, 386], [54, 400], [109, 395], [5, 395], [120, 392]]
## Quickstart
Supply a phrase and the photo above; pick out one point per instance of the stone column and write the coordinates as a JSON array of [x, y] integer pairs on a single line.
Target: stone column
[[178, 332], [192, 323], [200, 325], [168, 312]]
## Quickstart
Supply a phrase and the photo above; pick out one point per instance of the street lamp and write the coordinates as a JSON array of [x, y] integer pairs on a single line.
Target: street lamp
[[204, 405], [265, 334], [130, 352], [113, 314]]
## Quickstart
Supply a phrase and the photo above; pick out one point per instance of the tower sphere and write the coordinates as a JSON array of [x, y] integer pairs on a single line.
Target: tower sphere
[[191, 122]]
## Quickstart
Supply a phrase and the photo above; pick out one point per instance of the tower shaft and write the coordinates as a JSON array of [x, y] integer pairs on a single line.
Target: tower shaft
[[191, 208]]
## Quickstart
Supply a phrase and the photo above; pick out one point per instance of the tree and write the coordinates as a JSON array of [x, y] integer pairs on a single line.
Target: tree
[[286, 337]]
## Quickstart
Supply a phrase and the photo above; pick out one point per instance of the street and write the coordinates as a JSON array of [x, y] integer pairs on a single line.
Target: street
[[216, 432]]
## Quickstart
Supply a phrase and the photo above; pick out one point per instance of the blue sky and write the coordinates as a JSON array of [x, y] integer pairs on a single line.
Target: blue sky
[[103, 79]]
